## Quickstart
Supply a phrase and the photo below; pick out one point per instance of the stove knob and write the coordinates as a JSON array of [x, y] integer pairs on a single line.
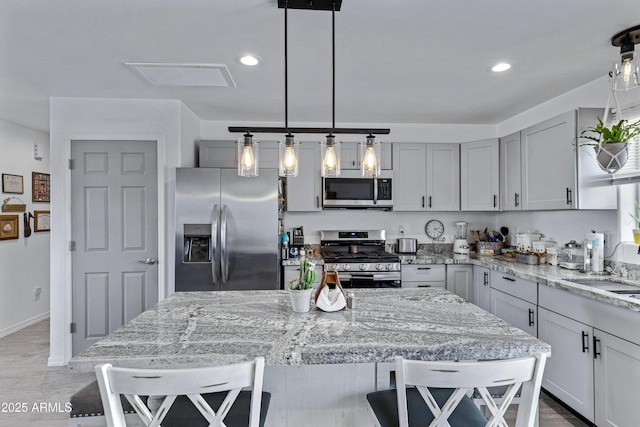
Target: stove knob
[[389, 267], [346, 267], [379, 266], [363, 266], [336, 267]]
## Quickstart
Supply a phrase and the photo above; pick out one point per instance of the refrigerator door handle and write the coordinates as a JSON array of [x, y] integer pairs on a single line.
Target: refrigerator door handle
[[215, 255], [224, 254]]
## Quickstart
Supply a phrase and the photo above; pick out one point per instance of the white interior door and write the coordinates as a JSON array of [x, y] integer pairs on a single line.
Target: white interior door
[[114, 225]]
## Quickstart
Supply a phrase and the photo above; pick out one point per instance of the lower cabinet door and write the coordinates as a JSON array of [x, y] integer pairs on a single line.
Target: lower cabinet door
[[516, 312], [568, 374], [617, 375], [481, 288]]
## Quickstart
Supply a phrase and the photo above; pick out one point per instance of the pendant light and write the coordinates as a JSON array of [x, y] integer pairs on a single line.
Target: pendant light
[[248, 156], [289, 148], [626, 66], [370, 155], [330, 151]]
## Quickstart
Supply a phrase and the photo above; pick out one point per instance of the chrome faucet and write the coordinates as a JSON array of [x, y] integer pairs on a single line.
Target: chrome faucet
[[588, 255]]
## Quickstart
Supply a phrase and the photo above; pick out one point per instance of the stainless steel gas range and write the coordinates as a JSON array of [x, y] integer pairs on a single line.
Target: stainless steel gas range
[[360, 259]]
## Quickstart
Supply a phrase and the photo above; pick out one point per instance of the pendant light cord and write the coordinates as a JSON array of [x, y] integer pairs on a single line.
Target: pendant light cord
[[286, 72], [333, 66]]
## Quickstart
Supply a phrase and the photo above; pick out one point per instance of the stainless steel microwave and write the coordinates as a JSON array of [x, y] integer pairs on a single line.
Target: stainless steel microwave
[[352, 191]]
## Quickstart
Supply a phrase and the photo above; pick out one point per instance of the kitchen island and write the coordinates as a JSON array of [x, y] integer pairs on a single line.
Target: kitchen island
[[319, 365]]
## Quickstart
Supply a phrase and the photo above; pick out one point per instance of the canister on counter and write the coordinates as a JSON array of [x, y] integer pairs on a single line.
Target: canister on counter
[[553, 253], [351, 300]]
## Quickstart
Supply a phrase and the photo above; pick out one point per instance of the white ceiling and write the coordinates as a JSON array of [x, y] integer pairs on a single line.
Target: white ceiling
[[409, 61]]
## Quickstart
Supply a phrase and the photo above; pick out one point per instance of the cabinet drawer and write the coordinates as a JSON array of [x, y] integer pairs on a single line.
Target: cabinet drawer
[[512, 285], [424, 273], [406, 284]]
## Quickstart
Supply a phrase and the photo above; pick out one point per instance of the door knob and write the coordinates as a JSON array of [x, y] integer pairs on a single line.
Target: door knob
[[149, 261]]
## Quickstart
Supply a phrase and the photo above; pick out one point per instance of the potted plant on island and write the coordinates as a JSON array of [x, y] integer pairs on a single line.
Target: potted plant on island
[[300, 289], [611, 142], [636, 218]]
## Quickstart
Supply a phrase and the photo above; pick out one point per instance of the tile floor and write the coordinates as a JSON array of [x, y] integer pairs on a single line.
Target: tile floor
[[40, 393]]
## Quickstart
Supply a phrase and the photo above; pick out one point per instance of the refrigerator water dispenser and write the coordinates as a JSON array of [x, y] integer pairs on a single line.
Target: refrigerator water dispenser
[[197, 243]]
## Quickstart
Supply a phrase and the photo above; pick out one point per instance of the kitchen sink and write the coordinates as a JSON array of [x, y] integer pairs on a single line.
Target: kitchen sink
[[609, 285]]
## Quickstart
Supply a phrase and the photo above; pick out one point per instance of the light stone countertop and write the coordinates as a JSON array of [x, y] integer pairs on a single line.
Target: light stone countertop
[[190, 329]]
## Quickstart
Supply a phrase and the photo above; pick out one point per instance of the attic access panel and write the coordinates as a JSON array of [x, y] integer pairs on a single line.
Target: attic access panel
[[311, 4]]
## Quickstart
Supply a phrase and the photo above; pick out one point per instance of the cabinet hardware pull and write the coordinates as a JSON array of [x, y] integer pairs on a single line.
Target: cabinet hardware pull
[[486, 279], [585, 342], [317, 201], [429, 201], [531, 317], [509, 279], [517, 202], [424, 268], [423, 201], [569, 191], [495, 201], [596, 353], [424, 286]]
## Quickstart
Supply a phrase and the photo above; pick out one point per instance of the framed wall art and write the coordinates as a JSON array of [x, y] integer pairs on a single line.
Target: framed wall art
[[12, 184], [42, 221], [9, 227], [41, 184]]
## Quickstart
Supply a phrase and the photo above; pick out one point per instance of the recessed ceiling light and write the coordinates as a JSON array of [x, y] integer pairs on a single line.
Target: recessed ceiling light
[[250, 60], [500, 67]]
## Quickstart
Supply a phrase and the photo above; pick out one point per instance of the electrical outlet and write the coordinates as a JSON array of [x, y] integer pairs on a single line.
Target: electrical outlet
[[401, 229], [36, 293]]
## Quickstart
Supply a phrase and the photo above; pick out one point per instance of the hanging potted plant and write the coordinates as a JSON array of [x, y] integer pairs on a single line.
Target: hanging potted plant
[[636, 219], [611, 142], [300, 289]]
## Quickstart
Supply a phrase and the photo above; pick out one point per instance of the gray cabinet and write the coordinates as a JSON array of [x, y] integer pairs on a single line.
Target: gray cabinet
[[482, 288], [479, 175], [595, 367], [304, 192], [558, 175], [515, 300], [460, 281], [224, 154], [426, 177], [423, 276], [510, 173], [569, 376]]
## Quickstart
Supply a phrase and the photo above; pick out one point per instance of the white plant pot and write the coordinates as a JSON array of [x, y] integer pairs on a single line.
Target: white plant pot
[[300, 300], [612, 157]]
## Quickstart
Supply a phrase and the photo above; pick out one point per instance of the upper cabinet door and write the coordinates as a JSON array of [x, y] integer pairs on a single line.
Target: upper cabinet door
[[409, 177], [479, 172], [350, 155], [549, 164], [510, 173], [304, 192], [443, 177]]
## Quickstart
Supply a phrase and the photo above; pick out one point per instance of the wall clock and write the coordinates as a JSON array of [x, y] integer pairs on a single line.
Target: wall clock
[[434, 229]]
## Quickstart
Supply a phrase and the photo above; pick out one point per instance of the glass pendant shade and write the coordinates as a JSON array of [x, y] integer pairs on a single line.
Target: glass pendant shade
[[247, 156], [288, 156], [370, 155], [626, 71], [330, 151]]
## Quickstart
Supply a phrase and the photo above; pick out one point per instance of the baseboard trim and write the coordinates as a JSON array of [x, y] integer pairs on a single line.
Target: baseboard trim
[[21, 325]]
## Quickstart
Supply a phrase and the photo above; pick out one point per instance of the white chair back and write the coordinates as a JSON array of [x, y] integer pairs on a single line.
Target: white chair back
[[464, 377], [165, 385]]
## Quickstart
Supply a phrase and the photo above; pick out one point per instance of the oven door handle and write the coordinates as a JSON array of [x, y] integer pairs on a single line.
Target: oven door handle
[[368, 276]]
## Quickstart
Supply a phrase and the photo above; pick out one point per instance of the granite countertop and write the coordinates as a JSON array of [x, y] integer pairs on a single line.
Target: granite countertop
[[190, 329]]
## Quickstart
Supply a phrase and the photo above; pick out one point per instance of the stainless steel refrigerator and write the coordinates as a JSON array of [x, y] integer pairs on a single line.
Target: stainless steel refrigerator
[[226, 230]]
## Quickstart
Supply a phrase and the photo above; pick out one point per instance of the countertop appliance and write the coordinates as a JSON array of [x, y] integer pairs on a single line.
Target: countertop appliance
[[407, 245], [360, 258], [460, 244], [593, 252], [226, 230], [352, 191]]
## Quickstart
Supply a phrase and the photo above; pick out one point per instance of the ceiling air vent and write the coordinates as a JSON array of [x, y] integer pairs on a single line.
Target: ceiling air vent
[[171, 74]]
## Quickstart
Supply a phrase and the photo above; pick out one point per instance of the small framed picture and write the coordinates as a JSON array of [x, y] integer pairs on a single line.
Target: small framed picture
[[42, 221], [41, 184], [9, 227], [12, 184]]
